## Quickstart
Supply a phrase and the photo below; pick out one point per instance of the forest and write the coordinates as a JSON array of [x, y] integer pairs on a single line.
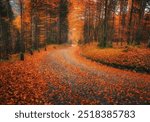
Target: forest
[[31, 24], [35, 23], [74, 52]]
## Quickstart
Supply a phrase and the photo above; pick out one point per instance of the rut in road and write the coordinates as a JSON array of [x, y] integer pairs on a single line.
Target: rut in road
[[80, 81]]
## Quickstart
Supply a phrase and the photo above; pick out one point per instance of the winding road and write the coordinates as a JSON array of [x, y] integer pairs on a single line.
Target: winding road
[[77, 80]]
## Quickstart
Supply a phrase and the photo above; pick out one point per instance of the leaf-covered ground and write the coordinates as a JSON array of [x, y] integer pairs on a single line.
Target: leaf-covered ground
[[21, 81], [62, 76], [133, 58]]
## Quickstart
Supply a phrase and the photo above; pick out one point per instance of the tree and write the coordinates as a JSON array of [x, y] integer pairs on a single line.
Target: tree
[[63, 21], [6, 17], [141, 10]]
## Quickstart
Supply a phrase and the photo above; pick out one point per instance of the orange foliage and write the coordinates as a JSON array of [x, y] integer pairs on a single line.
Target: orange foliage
[[62, 76], [76, 12], [129, 57], [16, 22], [21, 82]]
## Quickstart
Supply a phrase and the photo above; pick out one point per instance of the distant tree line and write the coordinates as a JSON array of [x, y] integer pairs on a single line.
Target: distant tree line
[[40, 22], [108, 21]]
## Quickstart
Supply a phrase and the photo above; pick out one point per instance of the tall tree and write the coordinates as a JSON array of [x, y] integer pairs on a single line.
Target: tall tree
[[141, 9], [6, 17], [63, 21]]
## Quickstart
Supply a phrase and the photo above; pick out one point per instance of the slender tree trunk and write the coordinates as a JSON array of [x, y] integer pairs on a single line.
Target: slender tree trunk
[[148, 45], [142, 6], [22, 45], [1, 39], [130, 23], [105, 25], [21, 28]]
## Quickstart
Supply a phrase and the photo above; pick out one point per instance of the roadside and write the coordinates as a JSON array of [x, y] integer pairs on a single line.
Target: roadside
[[21, 81], [128, 58]]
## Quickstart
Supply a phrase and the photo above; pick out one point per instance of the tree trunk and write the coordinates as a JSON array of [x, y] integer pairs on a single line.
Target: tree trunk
[[148, 45], [130, 23], [142, 6], [104, 43]]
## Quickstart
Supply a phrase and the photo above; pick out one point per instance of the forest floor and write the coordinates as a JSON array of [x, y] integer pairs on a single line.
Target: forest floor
[[129, 58], [61, 75]]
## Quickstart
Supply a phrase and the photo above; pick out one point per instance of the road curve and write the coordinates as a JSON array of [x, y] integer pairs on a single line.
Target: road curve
[[81, 81]]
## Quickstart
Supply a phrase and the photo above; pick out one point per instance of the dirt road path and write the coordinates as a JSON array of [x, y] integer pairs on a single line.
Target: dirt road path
[[76, 80]]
